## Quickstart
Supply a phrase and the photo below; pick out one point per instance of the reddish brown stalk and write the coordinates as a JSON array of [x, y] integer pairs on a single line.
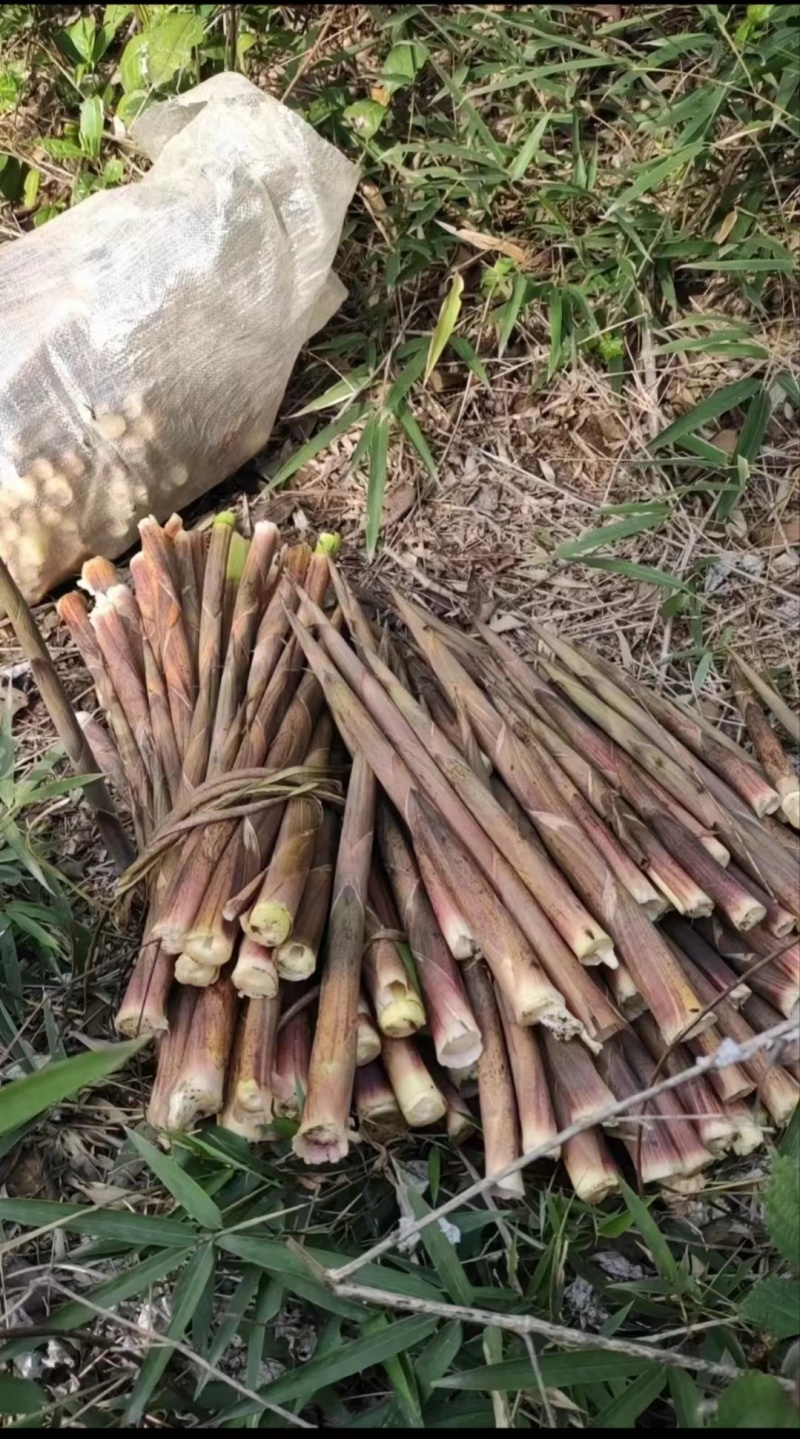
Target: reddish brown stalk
[[172, 651], [626, 995], [763, 1016], [128, 682], [602, 837], [98, 575], [496, 1097], [379, 1114], [368, 1038], [777, 1090], [668, 1105], [460, 1120], [749, 1133], [651, 1144], [255, 973], [694, 740], [589, 1165], [74, 614], [297, 957], [739, 905], [767, 746], [209, 654], [574, 1080], [273, 629], [248, 610], [185, 543], [453, 1026], [698, 1096], [324, 1132], [777, 981], [144, 1004], [270, 919], [200, 1084], [731, 1083], [171, 1048], [249, 1080], [778, 921], [595, 1015], [713, 967], [162, 731], [655, 974], [104, 750], [450, 782], [774, 702], [397, 1005], [290, 1070], [534, 1106], [420, 1101]]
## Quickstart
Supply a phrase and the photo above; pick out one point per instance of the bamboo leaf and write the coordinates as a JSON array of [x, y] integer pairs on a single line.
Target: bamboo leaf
[[116, 1226], [610, 534], [187, 1294], [445, 325], [666, 1264], [562, 1371], [624, 1410], [352, 1358], [23, 1098], [651, 176], [184, 1190], [633, 571], [720, 403], [441, 1253], [317, 443], [20, 1396]]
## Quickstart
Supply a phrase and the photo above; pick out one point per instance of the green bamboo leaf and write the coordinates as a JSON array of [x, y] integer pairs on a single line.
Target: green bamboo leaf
[[632, 571], [556, 327], [376, 483], [465, 352], [23, 1098], [441, 1253], [228, 1327], [186, 1296], [438, 1355], [91, 125], [415, 435], [651, 176], [779, 265], [408, 377], [665, 1262], [278, 1259], [686, 1398], [345, 389], [352, 1358], [312, 447], [510, 313], [20, 1396], [185, 1191], [623, 1411], [445, 325], [609, 534], [116, 1226], [748, 448], [720, 403], [561, 1371]]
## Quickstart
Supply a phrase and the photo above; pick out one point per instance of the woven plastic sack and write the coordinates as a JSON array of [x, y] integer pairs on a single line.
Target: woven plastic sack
[[147, 336]]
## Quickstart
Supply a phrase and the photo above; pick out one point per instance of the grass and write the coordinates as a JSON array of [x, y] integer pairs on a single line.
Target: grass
[[563, 379]]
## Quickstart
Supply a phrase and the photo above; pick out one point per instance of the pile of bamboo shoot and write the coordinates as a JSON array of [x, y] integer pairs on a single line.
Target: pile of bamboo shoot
[[389, 873]]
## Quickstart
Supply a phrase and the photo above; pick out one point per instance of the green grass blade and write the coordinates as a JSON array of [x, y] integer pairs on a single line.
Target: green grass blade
[[720, 403], [441, 1253], [115, 1225], [623, 1411], [562, 1371], [24, 1098], [185, 1191], [186, 1296], [610, 534]]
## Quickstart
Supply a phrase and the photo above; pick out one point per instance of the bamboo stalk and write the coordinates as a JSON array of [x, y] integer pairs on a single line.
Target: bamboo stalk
[[398, 1008], [419, 742], [379, 1114], [130, 688], [200, 1085], [271, 917], [255, 973], [171, 1049], [190, 971], [592, 1013], [172, 648], [730, 1083], [290, 1070], [626, 995], [651, 1145], [419, 1099], [273, 628], [324, 1132], [144, 1004], [185, 543], [249, 1078], [104, 750], [459, 1119], [774, 702], [297, 957], [763, 1016], [237, 559], [575, 1082], [655, 974], [777, 1090], [100, 577], [779, 921], [713, 967], [749, 1134], [368, 1038], [250, 604], [209, 652], [767, 745], [589, 1164], [739, 905], [453, 1026], [534, 1106], [746, 781], [777, 982], [716, 1129], [496, 1097], [694, 1157], [59, 708]]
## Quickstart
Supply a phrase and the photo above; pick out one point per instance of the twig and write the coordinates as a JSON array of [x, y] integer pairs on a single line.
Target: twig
[[59, 708], [728, 1053]]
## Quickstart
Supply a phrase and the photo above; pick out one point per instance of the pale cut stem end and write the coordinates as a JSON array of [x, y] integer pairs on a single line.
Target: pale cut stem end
[[190, 971], [270, 923], [368, 1040], [322, 1143], [295, 961], [592, 1172], [379, 1113], [419, 1098], [790, 800], [247, 1126], [144, 1006], [255, 974], [402, 1015]]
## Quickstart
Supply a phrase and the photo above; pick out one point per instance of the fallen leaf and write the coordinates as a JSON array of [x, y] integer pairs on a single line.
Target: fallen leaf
[[725, 228], [783, 532], [726, 440], [479, 241]]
